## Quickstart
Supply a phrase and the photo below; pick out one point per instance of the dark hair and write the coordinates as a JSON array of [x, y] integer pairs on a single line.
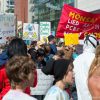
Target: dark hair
[[40, 52], [17, 47], [50, 38], [32, 52], [47, 48], [18, 68], [60, 53], [57, 68]]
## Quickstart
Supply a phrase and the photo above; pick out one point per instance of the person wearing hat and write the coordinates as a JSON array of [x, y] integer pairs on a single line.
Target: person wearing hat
[[61, 69], [51, 40], [40, 44], [81, 67]]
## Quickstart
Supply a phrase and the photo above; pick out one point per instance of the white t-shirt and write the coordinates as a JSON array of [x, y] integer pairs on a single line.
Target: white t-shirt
[[55, 93], [17, 95]]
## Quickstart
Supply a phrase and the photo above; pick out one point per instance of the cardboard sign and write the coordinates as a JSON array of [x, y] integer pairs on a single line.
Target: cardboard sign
[[73, 20], [71, 39], [45, 29], [43, 84], [7, 27], [30, 31]]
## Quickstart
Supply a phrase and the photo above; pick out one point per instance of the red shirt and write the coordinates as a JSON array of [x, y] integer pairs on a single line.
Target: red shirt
[[4, 82], [34, 84]]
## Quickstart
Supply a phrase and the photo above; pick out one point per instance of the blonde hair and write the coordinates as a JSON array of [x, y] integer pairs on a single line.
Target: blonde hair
[[96, 62]]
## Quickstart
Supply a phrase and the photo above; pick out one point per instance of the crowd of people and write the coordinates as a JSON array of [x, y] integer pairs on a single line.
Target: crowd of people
[[76, 76]]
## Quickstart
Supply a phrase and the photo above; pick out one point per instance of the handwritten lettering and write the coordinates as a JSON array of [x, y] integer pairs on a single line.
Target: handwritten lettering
[[78, 17]]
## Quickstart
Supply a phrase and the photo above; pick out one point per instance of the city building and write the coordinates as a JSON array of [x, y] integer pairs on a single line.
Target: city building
[[21, 10], [49, 10], [7, 6], [88, 5], [31, 10], [24, 10]]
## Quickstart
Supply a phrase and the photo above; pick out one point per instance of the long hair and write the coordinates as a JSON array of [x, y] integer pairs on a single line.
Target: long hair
[[96, 62]]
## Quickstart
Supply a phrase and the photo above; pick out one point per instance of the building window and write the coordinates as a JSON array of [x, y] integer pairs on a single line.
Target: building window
[[32, 9], [32, 1]]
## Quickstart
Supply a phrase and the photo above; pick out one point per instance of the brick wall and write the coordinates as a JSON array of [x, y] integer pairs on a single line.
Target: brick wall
[[21, 10]]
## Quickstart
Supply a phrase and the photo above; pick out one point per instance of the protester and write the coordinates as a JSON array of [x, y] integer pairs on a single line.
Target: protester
[[68, 51], [81, 67], [33, 44], [40, 58], [94, 76], [40, 44], [59, 55], [47, 50], [63, 74], [4, 82], [52, 41], [20, 71], [16, 47], [32, 51]]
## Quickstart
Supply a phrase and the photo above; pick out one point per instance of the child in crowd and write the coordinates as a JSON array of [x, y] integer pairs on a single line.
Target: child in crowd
[[20, 71]]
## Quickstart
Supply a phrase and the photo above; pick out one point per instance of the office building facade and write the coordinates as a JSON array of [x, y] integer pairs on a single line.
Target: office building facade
[[7, 6], [21, 10], [49, 10], [88, 5]]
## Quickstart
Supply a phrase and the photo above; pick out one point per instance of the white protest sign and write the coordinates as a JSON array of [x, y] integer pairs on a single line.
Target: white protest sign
[[45, 29], [43, 84], [7, 27], [30, 31]]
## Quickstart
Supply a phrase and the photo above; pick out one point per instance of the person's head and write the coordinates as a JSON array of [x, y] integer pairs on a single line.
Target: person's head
[[61, 42], [40, 54], [68, 51], [47, 49], [62, 70], [90, 42], [20, 71], [32, 52], [95, 66], [33, 43], [51, 39], [40, 44], [60, 53], [17, 47]]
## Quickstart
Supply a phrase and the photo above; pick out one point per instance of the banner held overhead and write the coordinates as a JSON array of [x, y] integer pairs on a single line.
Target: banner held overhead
[[74, 20]]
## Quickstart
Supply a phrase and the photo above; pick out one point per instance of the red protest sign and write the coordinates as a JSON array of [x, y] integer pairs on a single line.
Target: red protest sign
[[73, 20]]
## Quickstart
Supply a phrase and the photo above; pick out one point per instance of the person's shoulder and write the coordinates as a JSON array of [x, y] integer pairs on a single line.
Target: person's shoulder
[[17, 95], [53, 90], [78, 57], [3, 69], [27, 97]]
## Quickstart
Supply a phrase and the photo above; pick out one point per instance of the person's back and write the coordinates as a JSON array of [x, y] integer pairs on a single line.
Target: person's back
[[17, 95], [15, 47], [81, 67], [81, 73], [20, 72]]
